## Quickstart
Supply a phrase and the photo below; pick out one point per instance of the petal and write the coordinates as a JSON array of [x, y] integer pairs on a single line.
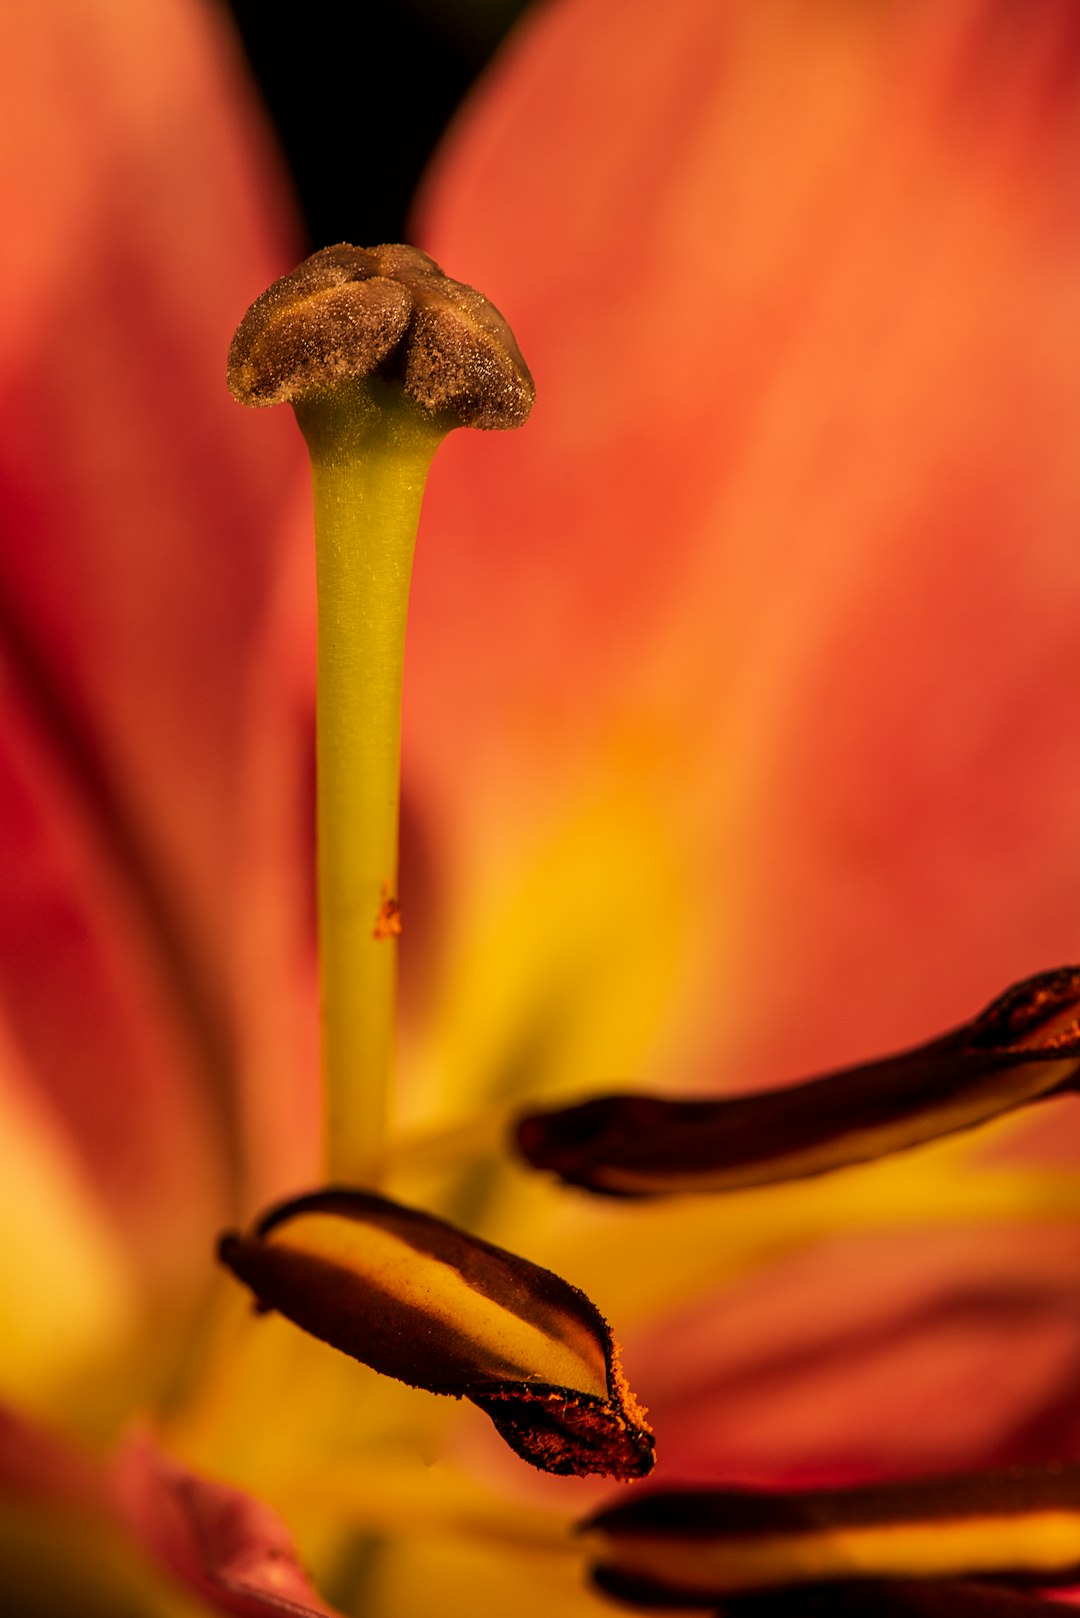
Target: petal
[[69, 1302], [705, 1545], [90, 1015], [1022, 1048], [58, 1563], [419, 1300], [807, 621], [875, 1353], [62, 1548], [221, 1543], [789, 572], [39, 1465], [141, 531], [144, 1534]]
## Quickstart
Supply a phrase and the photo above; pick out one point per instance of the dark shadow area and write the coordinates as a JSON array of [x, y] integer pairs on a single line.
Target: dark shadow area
[[360, 95]]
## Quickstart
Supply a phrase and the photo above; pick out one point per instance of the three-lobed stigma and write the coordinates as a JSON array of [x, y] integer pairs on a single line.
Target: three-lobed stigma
[[348, 313]]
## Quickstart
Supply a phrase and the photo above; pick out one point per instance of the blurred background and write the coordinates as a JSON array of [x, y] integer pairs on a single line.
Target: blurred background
[[420, 58]]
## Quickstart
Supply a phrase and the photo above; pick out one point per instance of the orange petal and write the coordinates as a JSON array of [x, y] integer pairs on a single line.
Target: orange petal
[[786, 556]]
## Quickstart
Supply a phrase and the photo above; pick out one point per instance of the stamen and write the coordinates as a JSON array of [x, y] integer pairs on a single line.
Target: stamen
[[1023, 1048], [381, 355], [916, 1598], [696, 1548], [416, 1299]]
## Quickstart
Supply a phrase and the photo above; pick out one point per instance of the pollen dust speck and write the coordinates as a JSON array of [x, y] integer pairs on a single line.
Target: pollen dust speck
[[388, 920]]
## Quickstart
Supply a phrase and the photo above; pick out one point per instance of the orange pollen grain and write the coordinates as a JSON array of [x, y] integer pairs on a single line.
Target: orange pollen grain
[[388, 920], [634, 1409]]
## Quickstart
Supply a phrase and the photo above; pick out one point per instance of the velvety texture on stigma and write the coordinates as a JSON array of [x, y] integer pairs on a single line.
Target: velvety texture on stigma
[[417, 1299], [682, 1547], [347, 313], [1024, 1047]]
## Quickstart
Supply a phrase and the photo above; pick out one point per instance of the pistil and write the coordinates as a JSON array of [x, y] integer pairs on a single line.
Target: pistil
[[370, 455], [381, 355]]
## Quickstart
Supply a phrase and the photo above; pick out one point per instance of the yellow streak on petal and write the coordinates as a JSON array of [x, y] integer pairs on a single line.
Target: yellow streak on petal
[[567, 959], [684, 1245], [66, 1298], [476, 1577], [506, 1347]]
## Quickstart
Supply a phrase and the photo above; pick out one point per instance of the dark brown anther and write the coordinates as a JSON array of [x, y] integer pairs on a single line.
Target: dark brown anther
[[348, 313], [417, 1299], [888, 1598], [753, 1554], [1022, 1049]]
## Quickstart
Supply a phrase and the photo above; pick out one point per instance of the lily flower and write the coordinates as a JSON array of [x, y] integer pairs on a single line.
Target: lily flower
[[799, 306]]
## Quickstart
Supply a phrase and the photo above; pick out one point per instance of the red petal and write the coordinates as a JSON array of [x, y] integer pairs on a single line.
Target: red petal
[[878, 1353], [37, 1465], [229, 1547], [142, 525], [132, 1533]]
